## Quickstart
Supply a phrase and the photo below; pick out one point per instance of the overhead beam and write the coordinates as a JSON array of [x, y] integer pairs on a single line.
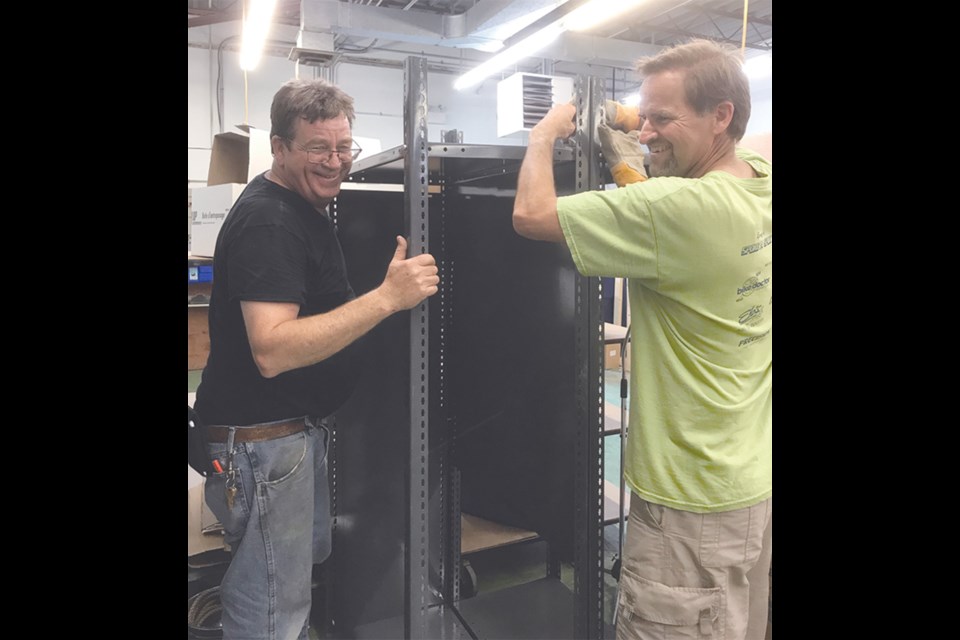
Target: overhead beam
[[587, 49], [490, 14], [768, 22], [692, 34]]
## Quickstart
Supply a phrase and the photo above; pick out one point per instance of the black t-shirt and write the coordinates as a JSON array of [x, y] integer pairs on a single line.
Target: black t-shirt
[[273, 247]]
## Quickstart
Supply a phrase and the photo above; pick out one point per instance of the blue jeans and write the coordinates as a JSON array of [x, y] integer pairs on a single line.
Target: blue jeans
[[278, 528]]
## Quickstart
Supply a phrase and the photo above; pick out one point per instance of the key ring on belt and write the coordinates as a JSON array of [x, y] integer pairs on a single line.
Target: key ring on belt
[[231, 483]]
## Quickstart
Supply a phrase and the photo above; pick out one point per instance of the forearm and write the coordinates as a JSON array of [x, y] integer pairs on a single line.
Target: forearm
[[281, 341], [535, 206], [301, 342]]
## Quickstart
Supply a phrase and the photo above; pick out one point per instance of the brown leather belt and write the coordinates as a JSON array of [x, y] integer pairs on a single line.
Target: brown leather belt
[[257, 433]]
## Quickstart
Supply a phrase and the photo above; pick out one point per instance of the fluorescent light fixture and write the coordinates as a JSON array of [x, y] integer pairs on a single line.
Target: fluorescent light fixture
[[523, 49], [256, 23], [759, 67], [583, 17]]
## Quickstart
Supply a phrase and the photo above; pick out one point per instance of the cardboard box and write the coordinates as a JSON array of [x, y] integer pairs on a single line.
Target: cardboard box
[[210, 206], [234, 159], [611, 357], [613, 337], [238, 157]]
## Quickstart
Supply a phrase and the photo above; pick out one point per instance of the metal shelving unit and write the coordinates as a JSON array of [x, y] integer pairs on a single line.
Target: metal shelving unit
[[485, 399]]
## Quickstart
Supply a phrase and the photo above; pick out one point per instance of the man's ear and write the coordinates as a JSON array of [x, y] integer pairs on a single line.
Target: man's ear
[[724, 114], [277, 145]]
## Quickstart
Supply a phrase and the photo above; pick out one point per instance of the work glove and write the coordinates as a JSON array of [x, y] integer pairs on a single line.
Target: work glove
[[622, 117], [623, 154]]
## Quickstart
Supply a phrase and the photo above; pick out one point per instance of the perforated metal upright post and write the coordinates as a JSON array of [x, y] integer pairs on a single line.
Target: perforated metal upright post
[[416, 226], [449, 474], [588, 487]]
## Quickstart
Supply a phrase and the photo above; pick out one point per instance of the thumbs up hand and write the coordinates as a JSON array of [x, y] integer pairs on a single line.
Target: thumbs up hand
[[410, 280]]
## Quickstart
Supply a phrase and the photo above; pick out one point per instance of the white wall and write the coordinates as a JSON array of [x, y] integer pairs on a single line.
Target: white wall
[[761, 106]]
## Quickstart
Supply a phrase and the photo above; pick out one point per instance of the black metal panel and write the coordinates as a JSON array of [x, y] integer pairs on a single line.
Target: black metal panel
[[372, 432], [445, 520], [512, 370], [373, 438]]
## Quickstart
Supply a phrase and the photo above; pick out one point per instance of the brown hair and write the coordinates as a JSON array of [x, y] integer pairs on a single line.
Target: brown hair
[[311, 100], [714, 74]]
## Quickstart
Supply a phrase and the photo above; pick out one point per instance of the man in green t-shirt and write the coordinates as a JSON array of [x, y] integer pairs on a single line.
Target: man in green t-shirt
[[695, 241]]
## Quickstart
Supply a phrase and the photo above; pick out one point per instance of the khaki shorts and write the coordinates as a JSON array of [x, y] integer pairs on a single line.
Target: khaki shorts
[[695, 575]]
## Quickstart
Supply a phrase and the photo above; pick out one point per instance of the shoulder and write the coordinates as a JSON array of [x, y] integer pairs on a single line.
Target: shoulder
[[266, 203], [648, 190], [636, 202], [762, 165]]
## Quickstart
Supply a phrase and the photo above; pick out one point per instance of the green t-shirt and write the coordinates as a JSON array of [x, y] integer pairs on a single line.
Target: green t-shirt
[[698, 254]]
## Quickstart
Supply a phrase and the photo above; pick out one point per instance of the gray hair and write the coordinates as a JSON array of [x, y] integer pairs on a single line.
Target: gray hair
[[310, 100]]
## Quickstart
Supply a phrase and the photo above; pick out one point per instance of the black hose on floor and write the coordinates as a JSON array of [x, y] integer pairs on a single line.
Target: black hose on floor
[[203, 614]]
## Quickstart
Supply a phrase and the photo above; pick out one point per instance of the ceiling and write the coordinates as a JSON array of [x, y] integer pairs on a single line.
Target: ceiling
[[467, 31]]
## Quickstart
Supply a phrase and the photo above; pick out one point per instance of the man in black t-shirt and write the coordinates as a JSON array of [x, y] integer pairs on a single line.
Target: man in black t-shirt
[[284, 321]]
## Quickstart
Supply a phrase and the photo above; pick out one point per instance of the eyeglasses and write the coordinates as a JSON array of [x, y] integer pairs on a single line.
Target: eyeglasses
[[318, 155]]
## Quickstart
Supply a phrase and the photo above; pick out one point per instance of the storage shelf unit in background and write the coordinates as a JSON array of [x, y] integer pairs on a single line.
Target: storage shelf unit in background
[[524, 98]]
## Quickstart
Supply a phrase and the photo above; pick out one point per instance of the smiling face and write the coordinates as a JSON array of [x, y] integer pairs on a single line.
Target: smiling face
[[681, 142], [318, 183]]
